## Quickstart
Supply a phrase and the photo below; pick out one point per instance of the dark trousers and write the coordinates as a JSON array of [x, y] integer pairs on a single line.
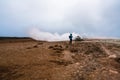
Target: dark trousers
[[70, 41]]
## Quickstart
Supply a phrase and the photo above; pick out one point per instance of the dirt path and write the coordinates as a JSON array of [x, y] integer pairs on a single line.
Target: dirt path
[[106, 50], [111, 55], [67, 56]]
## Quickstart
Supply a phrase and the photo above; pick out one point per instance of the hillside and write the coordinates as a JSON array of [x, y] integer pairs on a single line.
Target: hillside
[[36, 60]]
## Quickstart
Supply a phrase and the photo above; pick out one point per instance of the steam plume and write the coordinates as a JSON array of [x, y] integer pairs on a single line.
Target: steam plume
[[47, 36]]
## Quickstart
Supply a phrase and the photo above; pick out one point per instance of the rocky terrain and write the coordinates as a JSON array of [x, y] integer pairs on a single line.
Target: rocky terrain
[[27, 59]]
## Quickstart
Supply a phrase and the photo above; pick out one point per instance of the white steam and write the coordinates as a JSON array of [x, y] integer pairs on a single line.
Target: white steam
[[37, 34], [47, 36]]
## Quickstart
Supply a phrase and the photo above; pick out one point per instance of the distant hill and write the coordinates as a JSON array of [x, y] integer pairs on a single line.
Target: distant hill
[[1, 38]]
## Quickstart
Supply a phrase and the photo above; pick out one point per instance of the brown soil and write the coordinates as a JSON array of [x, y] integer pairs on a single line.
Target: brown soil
[[35, 60]]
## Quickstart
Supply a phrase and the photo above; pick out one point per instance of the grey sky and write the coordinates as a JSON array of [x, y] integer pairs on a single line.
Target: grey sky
[[92, 17]]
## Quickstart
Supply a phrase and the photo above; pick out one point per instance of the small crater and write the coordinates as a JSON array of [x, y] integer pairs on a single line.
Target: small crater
[[117, 60], [50, 47], [28, 48], [36, 46]]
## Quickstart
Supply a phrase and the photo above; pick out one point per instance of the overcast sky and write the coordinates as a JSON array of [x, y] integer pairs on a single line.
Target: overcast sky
[[91, 17]]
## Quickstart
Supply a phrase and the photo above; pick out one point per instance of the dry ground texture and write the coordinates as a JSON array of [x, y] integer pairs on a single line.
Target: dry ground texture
[[26, 59]]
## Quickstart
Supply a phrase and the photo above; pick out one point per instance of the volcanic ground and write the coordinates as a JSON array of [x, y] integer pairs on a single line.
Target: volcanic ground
[[27, 59]]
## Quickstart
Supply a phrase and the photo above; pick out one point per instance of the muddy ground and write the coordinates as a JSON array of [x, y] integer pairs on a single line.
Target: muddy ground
[[26, 59]]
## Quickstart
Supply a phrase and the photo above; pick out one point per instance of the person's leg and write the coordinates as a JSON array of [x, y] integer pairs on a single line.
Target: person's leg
[[70, 41]]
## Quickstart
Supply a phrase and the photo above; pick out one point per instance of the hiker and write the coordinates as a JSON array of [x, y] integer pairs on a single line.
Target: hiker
[[70, 37]]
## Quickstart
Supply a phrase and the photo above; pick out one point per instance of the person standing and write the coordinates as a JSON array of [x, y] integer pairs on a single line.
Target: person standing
[[70, 37]]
